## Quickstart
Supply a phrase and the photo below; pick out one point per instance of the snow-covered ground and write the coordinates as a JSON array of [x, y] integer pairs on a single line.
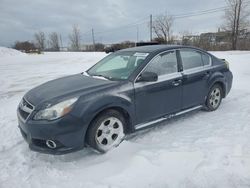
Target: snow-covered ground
[[9, 52], [198, 150]]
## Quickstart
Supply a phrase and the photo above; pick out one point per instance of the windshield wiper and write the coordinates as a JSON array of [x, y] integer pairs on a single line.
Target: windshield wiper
[[85, 73], [102, 76]]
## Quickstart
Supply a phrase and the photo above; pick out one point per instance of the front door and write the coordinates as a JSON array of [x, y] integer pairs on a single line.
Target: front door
[[156, 99]]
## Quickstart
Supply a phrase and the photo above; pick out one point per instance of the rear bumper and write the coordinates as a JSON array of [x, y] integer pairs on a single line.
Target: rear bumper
[[229, 82], [67, 132]]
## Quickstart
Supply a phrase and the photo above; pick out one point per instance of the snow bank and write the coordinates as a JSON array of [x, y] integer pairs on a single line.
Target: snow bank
[[5, 52], [201, 149]]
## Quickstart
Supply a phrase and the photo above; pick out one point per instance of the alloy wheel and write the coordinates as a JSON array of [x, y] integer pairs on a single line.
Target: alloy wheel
[[215, 98], [110, 133]]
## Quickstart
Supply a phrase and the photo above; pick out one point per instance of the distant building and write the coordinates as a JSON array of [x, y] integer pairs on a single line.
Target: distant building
[[63, 49], [208, 37], [244, 34], [222, 37], [215, 40], [190, 39]]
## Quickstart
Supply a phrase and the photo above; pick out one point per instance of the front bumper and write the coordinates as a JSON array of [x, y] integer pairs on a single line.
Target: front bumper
[[67, 132]]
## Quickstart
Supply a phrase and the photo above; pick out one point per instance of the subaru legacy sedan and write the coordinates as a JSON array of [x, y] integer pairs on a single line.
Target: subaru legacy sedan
[[126, 91]]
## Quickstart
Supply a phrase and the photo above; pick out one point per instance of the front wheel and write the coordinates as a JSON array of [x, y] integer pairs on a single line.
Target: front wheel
[[106, 131], [214, 98]]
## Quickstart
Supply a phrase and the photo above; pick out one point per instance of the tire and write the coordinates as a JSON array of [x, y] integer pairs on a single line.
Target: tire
[[106, 131], [214, 98]]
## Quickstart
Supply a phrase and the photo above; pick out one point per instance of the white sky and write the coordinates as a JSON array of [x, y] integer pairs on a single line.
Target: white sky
[[20, 19]]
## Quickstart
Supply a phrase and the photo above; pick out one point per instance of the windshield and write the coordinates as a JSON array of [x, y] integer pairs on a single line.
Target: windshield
[[117, 66]]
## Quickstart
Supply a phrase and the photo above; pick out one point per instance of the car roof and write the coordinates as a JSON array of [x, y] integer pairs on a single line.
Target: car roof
[[155, 48]]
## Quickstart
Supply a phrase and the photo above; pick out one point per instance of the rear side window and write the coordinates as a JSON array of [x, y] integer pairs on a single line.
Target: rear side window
[[191, 59], [206, 59]]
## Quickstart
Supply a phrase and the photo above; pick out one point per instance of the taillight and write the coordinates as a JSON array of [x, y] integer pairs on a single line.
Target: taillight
[[226, 62]]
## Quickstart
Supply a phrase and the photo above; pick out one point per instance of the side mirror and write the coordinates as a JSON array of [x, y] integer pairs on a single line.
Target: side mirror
[[148, 77]]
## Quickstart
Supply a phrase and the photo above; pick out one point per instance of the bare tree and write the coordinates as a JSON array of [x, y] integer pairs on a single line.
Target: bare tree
[[25, 46], [162, 26], [75, 38], [236, 19], [40, 40], [54, 41]]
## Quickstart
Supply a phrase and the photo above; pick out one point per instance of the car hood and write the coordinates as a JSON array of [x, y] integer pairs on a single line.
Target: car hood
[[65, 87]]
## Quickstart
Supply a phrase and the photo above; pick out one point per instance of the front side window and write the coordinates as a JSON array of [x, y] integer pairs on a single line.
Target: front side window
[[118, 66], [163, 64]]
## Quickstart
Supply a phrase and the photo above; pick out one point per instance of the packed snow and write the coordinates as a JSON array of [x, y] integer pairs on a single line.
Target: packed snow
[[9, 52], [201, 149]]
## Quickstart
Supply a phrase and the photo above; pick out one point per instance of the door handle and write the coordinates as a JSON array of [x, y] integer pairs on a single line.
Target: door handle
[[207, 73], [176, 82]]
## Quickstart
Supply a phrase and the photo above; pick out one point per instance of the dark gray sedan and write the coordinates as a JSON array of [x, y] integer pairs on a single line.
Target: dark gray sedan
[[126, 91]]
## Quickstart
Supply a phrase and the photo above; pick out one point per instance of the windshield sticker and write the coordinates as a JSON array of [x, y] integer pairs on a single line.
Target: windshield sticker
[[138, 54]]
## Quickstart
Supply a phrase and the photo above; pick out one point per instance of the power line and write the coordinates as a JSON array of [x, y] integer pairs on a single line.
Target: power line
[[175, 16], [125, 26], [200, 12], [197, 14], [145, 20], [203, 12], [139, 22]]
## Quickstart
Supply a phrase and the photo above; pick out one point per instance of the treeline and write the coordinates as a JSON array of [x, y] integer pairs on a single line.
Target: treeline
[[40, 43], [51, 42]]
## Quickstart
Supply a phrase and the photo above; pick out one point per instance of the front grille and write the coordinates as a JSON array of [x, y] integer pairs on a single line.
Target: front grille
[[39, 143], [25, 108], [23, 114]]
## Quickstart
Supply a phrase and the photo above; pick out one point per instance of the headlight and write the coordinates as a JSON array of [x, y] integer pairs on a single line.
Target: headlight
[[56, 111]]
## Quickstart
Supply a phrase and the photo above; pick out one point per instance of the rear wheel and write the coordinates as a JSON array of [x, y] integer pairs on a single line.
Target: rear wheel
[[214, 98], [106, 131]]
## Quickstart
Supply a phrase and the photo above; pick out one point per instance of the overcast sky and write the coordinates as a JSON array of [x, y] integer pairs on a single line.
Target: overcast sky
[[112, 20]]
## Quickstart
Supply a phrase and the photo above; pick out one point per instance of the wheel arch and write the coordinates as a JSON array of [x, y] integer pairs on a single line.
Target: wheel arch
[[218, 78], [119, 109], [223, 87], [122, 105]]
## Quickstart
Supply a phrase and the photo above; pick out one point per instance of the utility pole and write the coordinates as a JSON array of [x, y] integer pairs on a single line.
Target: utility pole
[[151, 26], [61, 42], [93, 38], [137, 33]]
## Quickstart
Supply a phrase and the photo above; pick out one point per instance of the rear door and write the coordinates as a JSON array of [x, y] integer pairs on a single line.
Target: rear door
[[156, 99], [196, 71]]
